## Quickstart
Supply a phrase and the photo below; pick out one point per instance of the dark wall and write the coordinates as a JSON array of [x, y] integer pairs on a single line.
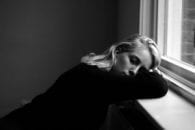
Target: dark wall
[[128, 18], [40, 39]]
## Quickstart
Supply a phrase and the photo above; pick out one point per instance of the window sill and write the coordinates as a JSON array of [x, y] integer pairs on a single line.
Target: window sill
[[171, 112], [184, 73]]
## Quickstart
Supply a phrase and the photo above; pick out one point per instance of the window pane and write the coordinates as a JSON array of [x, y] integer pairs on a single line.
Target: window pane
[[176, 35], [188, 32], [181, 30], [174, 29]]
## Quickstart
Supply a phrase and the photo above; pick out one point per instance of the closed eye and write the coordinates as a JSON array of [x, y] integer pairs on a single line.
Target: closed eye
[[134, 60]]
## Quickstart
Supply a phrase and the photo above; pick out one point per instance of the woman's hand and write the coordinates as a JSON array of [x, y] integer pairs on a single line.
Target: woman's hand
[[156, 70]]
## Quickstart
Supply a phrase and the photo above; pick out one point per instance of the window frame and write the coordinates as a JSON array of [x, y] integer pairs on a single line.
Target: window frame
[[179, 74]]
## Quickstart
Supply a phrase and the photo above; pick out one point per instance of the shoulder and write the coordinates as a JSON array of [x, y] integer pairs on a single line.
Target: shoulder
[[81, 69]]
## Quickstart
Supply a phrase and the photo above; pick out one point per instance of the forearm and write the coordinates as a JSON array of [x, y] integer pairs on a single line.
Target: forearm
[[144, 85]]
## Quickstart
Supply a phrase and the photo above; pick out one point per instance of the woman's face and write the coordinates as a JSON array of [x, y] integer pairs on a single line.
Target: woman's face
[[128, 63]]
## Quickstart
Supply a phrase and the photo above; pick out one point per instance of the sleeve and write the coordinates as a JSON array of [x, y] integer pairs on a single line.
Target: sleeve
[[144, 85]]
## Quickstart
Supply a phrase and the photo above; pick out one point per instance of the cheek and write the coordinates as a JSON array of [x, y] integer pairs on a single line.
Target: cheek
[[122, 62]]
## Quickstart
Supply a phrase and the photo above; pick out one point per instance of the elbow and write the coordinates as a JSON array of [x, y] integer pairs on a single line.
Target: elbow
[[162, 89]]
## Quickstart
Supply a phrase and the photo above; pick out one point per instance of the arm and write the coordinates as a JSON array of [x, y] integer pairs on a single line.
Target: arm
[[112, 87], [144, 85]]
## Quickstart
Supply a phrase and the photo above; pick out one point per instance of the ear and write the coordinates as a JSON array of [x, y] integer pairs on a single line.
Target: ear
[[117, 52]]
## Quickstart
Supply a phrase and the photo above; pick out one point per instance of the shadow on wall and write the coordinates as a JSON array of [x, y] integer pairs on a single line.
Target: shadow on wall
[[41, 39]]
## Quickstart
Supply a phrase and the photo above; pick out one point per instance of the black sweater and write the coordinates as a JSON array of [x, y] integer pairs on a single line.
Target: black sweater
[[79, 99]]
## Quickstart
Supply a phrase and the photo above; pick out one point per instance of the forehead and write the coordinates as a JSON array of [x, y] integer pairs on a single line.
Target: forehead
[[144, 55]]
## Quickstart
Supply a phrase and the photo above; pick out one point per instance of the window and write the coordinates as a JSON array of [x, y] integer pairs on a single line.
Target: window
[[188, 32], [172, 25], [180, 15]]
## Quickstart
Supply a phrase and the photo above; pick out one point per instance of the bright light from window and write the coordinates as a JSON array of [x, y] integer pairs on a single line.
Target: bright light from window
[[180, 33], [176, 38], [174, 29]]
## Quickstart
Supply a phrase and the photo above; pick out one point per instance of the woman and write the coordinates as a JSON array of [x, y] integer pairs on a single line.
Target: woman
[[79, 98]]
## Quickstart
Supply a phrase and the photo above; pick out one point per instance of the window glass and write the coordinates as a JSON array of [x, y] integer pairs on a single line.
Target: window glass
[[176, 39], [188, 31]]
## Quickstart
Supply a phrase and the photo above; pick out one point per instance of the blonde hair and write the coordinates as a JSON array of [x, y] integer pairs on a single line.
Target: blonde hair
[[107, 58]]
